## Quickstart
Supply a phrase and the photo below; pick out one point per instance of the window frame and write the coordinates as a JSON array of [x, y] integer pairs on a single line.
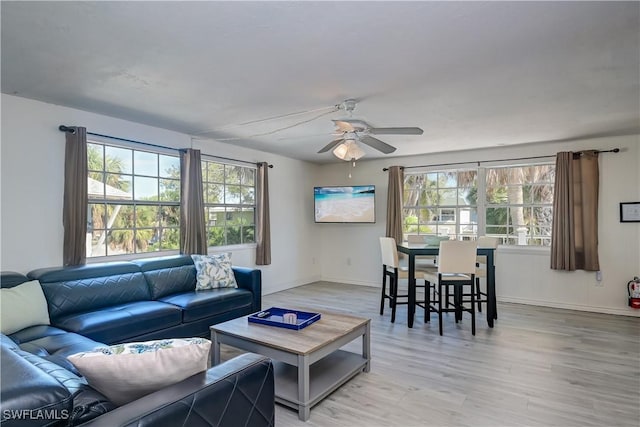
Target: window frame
[[228, 209], [135, 204], [482, 204]]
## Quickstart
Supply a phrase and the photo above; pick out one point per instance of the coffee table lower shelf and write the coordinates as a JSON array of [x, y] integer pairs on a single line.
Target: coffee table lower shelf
[[325, 376]]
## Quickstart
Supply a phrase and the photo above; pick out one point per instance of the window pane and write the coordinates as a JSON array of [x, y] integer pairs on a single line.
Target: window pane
[[146, 216], [118, 187], [96, 216], [145, 163], [248, 196], [98, 243], [118, 160], [447, 197], [170, 239], [215, 236], [145, 188], [170, 216], [234, 235], [95, 157], [170, 190], [170, 167], [248, 234], [215, 172], [232, 194], [447, 180], [95, 186], [232, 174], [120, 216], [120, 242], [214, 193], [468, 179], [144, 240], [215, 216], [248, 176]]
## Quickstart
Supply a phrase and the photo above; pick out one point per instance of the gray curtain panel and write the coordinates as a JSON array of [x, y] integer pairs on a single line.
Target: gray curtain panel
[[394, 203], [193, 235], [263, 223], [574, 237], [75, 199]]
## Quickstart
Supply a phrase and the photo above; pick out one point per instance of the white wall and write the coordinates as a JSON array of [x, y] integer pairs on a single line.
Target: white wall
[[31, 174], [32, 159], [350, 253]]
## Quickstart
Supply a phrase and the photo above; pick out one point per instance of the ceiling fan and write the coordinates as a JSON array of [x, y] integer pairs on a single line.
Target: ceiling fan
[[351, 131]]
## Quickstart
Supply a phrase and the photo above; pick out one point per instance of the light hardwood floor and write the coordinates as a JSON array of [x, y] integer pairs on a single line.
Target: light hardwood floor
[[537, 367]]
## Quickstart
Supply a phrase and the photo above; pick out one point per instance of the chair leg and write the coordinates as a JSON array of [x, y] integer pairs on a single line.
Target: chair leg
[[440, 307], [394, 294], [384, 292], [478, 295], [473, 311], [427, 301]]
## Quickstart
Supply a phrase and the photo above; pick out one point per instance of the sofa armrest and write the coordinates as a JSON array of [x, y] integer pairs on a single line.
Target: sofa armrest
[[239, 392], [250, 279]]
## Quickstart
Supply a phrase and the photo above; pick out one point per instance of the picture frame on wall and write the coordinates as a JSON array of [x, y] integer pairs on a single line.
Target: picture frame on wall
[[630, 212]]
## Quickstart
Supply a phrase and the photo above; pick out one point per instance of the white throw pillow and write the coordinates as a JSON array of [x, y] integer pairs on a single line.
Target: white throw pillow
[[126, 372], [214, 271], [22, 306]]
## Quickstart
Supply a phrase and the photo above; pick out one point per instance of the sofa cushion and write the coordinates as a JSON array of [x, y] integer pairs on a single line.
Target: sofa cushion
[[22, 306], [89, 287], [121, 322], [62, 344], [214, 271], [207, 303], [25, 387], [168, 275], [126, 372]]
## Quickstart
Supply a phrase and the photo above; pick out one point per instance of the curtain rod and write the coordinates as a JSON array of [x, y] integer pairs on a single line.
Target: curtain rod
[[614, 150], [71, 130]]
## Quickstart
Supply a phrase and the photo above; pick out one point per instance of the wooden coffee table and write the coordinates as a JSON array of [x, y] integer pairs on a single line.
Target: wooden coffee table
[[308, 363]]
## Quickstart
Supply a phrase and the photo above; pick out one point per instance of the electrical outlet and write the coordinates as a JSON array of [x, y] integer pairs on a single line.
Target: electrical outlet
[[599, 282]]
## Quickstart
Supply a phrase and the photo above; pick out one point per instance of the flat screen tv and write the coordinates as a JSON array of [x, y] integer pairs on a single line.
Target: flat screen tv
[[351, 204]]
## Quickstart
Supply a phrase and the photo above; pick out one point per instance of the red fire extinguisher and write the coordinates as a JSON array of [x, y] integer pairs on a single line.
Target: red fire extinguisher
[[633, 288]]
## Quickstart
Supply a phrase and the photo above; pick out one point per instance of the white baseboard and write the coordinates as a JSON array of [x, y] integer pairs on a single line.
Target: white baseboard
[[606, 310], [350, 282], [277, 287]]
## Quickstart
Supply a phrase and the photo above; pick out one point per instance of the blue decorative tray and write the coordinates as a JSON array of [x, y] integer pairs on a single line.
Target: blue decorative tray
[[274, 317]]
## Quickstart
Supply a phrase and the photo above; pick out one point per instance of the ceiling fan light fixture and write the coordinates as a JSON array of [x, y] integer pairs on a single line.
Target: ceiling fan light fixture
[[348, 150]]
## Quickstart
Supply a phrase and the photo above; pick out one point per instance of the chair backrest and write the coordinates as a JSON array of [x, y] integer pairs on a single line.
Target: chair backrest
[[487, 242], [389, 252], [457, 257], [415, 238]]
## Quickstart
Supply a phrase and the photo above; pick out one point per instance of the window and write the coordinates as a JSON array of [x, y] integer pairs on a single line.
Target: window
[[134, 201], [519, 204], [516, 203], [229, 198], [441, 203]]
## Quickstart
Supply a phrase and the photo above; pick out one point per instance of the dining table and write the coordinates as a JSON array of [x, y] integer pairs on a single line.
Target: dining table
[[418, 249]]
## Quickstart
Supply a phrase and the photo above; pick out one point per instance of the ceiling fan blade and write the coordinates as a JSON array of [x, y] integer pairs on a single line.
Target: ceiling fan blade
[[377, 144], [343, 126], [331, 145], [396, 131]]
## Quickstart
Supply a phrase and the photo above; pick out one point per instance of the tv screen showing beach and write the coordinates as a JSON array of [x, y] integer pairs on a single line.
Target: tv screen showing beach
[[345, 204]]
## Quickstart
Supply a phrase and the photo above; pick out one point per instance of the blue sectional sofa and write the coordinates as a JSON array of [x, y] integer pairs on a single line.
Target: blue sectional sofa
[[143, 300], [97, 304]]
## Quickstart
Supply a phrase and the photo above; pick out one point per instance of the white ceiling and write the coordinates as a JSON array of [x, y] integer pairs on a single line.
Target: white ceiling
[[471, 74]]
